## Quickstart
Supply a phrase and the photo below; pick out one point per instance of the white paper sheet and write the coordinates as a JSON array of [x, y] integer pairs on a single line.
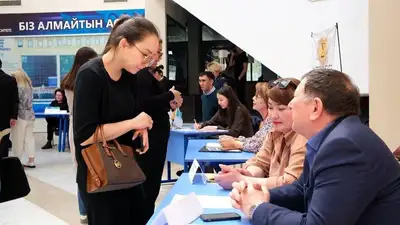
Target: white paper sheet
[[210, 202], [188, 204], [172, 214], [213, 145]]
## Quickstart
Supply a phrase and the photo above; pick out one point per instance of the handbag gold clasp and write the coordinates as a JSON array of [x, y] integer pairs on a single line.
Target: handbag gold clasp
[[117, 164]]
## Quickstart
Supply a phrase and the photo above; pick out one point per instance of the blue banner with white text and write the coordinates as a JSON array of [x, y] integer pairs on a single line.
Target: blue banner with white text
[[62, 23]]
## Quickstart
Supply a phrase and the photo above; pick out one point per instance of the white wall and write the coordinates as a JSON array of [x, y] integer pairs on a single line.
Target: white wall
[[37, 6], [277, 32]]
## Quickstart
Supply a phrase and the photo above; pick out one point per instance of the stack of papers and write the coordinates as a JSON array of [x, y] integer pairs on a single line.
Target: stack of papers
[[209, 202]]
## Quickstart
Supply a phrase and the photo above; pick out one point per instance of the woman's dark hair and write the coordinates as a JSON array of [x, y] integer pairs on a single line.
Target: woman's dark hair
[[159, 70], [233, 105], [133, 29], [62, 92], [83, 55]]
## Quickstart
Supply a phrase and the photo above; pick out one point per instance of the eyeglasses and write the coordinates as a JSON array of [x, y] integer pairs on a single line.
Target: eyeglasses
[[282, 83], [147, 59]]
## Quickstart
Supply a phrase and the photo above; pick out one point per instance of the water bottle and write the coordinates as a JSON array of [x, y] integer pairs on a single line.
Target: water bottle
[[178, 121]]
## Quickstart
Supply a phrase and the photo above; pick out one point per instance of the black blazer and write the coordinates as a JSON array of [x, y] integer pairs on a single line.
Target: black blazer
[[8, 99], [152, 98]]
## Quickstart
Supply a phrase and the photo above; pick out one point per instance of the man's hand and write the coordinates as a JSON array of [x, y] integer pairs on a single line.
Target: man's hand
[[13, 122], [244, 195]]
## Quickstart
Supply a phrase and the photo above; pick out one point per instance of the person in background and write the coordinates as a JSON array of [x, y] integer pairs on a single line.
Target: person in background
[[154, 100], [209, 100], [280, 159], [22, 133], [231, 115], [239, 61], [52, 122], [215, 68], [254, 143], [350, 176], [83, 55], [159, 75], [104, 95], [9, 103]]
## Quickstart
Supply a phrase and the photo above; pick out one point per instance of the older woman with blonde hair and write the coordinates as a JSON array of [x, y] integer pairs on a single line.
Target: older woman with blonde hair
[[216, 68], [254, 143], [22, 133]]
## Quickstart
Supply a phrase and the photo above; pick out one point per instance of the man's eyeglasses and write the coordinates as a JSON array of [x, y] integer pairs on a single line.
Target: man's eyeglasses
[[282, 83]]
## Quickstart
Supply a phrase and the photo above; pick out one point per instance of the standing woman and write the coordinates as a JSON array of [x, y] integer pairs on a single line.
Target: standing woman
[[159, 75], [154, 100], [83, 55], [104, 96], [22, 132]]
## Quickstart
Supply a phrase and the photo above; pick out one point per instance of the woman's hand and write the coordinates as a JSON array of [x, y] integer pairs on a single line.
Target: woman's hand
[[197, 126], [227, 143], [142, 121], [209, 128], [145, 140], [177, 94]]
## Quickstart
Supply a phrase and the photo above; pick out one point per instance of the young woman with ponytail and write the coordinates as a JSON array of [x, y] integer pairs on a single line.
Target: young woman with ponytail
[[104, 96]]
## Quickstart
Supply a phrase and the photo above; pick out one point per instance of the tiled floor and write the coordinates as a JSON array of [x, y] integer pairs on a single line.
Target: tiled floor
[[52, 200]]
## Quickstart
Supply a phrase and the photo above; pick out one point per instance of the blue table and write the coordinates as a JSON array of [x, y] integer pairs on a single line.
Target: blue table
[[177, 145], [228, 158], [184, 187], [62, 127]]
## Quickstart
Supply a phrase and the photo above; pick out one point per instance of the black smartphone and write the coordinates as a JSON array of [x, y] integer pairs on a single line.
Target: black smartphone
[[219, 217]]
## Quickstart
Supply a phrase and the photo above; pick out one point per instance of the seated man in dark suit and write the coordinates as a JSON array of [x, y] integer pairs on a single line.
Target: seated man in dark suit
[[350, 176]]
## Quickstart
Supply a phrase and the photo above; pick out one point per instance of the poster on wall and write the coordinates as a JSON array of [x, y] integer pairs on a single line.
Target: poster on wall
[[62, 23], [11, 61], [44, 44], [325, 48]]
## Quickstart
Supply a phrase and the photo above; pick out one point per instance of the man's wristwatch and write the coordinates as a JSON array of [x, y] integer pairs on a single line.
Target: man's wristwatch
[[252, 210]]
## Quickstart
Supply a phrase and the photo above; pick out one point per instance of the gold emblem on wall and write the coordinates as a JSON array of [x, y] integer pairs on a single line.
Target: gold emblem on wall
[[323, 51]]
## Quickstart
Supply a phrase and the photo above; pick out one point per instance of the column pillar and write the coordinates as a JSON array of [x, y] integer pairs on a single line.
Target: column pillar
[[155, 12], [384, 76], [195, 64]]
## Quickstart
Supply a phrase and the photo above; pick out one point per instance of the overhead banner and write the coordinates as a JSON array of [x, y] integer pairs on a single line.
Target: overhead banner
[[324, 47], [62, 23]]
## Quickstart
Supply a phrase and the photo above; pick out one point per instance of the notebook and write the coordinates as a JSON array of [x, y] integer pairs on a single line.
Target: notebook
[[216, 147]]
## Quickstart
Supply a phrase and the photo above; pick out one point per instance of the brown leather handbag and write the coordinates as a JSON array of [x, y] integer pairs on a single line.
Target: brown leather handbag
[[111, 166]]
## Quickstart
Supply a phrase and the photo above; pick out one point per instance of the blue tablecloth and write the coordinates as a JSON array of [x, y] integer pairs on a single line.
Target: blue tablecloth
[[184, 187]]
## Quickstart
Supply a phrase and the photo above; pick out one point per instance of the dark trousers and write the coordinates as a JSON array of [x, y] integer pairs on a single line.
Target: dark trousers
[[52, 125], [152, 163], [4, 145], [5, 141], [122, 207]]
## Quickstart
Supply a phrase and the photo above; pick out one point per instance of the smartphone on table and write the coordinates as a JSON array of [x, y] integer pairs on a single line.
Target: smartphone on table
[[212, 217]]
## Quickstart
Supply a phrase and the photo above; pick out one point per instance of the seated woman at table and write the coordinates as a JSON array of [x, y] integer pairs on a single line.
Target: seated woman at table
[[254, 143], [280, 159], [231, 115], [52, 122]]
